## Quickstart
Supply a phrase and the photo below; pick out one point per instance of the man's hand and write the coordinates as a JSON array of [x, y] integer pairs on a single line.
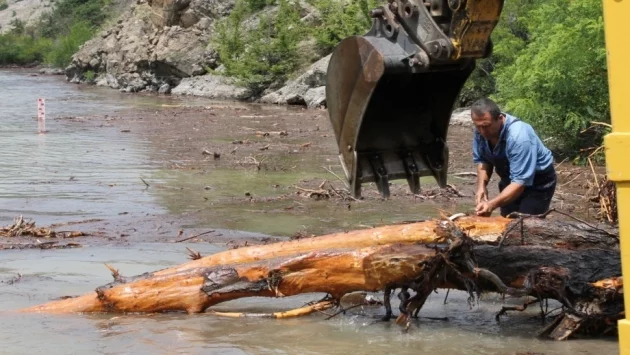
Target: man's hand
[[509, 194], [482, 195], [484, 171], [484, 209]]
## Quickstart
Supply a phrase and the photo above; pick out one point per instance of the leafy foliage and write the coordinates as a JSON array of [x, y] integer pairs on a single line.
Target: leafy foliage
[[257, 5], [56, 36], [556, 79], [509, 38], [264, 54], [67, 13], [340, 19], [65, 46], [16, 49]]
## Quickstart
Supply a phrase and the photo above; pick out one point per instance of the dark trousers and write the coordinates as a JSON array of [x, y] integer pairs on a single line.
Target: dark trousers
[[535, 199]]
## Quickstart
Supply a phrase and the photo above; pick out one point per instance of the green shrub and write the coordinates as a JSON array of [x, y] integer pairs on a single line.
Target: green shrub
[[3, 5], [89, 76], [257, 5], [56, 36], [558, 80], [264, 55], [15, 49], [341, 19], [17, 26], [65, 46], [66, 13], [480, 84]]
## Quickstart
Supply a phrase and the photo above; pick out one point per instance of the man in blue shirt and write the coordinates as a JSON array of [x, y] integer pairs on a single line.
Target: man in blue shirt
[[510, 147]]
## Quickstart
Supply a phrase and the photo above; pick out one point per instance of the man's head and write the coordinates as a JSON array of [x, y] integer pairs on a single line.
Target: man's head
[[487, 118]]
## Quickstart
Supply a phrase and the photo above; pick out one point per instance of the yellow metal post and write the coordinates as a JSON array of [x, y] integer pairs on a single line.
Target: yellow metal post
[[617, 143]]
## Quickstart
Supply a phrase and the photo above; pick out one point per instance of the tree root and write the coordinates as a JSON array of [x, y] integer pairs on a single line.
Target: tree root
[[417, 259], [520, 308]]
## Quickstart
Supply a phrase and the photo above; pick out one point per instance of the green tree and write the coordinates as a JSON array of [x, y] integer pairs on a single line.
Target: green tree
[[66, 13], [509, 38], [17, 26], [257, 5], [558, 78], [16, 49], [56, 36], [341, 19], [65, 46], [264, 55]]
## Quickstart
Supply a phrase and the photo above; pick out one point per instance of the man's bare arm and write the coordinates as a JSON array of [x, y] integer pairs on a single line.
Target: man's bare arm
[[509, 194], [484, 172]]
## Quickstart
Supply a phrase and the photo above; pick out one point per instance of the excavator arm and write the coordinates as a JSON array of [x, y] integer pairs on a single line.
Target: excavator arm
[[390, 93]]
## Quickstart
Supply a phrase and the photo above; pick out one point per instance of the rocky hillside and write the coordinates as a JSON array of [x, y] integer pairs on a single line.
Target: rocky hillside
[[27, 11], [164, 45], [152, 46]]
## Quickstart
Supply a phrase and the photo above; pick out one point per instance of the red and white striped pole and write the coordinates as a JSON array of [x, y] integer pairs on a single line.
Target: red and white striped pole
[[41, 116]]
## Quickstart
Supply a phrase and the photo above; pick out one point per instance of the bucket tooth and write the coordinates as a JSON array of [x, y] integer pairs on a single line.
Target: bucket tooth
[[380, 175], [413, 174], [390, 93]]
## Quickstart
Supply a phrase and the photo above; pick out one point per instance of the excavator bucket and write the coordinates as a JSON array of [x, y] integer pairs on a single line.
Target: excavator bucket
[[390, 93]]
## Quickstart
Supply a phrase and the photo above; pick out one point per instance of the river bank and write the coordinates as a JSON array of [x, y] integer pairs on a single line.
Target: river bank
[[270, 171], [141, 174]]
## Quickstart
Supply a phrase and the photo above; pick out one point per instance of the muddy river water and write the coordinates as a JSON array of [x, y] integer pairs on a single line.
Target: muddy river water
[[80, 170]]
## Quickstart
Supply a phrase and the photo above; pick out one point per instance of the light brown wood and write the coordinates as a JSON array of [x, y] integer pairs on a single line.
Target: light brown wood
[[569, 262]]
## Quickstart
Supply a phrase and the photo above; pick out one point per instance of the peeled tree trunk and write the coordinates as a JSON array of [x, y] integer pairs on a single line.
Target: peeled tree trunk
[[573, 263]]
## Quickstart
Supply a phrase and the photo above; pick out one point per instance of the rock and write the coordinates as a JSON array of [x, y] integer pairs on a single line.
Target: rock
[[51, 71], [94, 63], [27, 11], [211, 86], [295, 99], [186, 13], [316, 97], [135, 45], [188, 19], [295, 92], [211, 8], [132, 82], [164, 89], [204, 23], [107, 80], [180, 50], [198, 70], [461, 117], [75, 79]]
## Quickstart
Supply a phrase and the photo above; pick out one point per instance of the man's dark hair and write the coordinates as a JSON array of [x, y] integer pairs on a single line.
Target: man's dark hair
[[481, 106]]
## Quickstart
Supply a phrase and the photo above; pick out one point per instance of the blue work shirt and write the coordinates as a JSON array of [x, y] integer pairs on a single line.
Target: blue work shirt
[[518, 143]]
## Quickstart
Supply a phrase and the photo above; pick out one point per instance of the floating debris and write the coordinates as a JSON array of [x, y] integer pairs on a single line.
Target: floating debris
[[23, 228]]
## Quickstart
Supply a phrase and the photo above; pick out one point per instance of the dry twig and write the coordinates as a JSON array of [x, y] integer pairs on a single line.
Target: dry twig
[[23, 228]]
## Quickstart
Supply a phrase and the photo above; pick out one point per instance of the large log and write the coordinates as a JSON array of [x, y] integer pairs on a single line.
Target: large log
[[573, 263]]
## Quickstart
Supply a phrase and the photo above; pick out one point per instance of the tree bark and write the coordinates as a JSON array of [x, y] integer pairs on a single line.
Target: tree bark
[[570, 262]]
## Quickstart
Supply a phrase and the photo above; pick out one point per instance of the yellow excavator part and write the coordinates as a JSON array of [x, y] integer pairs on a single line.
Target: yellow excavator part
[[472, 27], [390, 93], [617, 143]]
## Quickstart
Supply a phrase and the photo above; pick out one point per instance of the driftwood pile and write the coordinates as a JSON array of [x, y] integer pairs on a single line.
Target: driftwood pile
[[24, 228]]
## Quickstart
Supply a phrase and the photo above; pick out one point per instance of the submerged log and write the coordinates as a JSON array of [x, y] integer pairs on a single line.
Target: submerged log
[[570, 262]]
